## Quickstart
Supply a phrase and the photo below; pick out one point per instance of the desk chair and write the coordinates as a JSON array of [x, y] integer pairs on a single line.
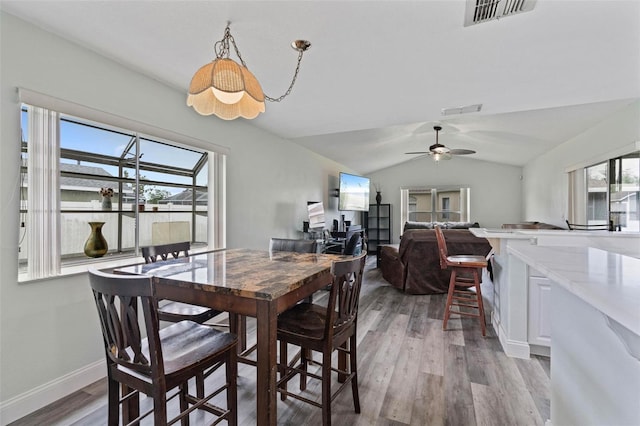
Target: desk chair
[[466, 272], [176, 311], [351, 244], [354, 245], [324, 329], [166, 359]]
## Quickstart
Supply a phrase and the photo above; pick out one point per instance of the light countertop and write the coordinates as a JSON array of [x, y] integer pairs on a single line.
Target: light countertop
[[532, 233], [608, 281]]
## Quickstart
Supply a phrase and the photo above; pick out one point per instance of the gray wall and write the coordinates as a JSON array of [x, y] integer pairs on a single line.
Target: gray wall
[[496, 196], [545, 182], [49, 329]]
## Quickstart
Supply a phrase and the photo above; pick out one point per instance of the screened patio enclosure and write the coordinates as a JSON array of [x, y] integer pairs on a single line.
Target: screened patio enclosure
[[147, 191]]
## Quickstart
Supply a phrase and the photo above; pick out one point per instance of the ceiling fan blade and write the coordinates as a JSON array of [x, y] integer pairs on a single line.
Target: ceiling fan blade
[[462, 151], [417, 152]]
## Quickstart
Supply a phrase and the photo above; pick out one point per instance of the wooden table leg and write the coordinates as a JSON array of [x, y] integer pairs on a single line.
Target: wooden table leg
[[267, 322]]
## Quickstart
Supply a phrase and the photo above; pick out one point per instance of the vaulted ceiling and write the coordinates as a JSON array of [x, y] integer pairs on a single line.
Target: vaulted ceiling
[[378, 73]]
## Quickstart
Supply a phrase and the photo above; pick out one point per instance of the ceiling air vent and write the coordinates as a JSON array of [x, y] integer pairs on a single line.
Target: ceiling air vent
[[485, 10]]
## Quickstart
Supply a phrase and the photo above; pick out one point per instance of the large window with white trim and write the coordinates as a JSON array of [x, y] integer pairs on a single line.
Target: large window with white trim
[[144, 189], [435, 204], [611, 194]]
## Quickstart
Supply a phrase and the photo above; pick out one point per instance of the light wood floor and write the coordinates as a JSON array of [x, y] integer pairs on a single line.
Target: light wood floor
[[411, 372]]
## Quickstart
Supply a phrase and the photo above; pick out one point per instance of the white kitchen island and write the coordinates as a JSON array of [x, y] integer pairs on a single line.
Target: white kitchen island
[[521, 298], [595, 326]]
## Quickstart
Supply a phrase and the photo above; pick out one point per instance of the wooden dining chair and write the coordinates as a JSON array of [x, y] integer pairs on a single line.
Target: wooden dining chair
[[169, 310], [293, 245], [275, 245], [324, 329], [164, 360], [466, 272]]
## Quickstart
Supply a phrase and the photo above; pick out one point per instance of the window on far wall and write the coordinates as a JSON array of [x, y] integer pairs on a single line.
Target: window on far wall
[[426, 204], [612, 190], [147, 190]]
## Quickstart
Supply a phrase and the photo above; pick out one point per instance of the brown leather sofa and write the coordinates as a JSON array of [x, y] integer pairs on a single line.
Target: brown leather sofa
[[413, 266]]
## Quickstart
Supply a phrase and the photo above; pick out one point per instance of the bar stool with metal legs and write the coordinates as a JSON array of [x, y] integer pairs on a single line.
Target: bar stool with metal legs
[[466, 272]]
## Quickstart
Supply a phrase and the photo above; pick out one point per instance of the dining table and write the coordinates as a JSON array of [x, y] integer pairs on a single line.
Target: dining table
[[245, 283]]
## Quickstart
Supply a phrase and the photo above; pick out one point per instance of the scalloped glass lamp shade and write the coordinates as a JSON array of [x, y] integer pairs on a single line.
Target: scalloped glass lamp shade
[[226, 89]]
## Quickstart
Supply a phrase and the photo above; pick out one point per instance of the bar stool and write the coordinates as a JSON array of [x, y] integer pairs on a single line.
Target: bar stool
[[324, 329], [164, 360], [466, 272]]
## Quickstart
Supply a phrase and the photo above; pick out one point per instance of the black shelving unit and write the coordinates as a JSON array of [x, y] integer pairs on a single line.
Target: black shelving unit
[[378, 222]]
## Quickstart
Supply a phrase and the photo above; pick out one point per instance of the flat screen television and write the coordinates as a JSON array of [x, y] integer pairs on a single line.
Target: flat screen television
[[353, 193]]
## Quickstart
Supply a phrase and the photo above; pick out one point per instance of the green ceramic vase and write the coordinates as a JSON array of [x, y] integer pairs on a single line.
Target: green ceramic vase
[[96, 245]]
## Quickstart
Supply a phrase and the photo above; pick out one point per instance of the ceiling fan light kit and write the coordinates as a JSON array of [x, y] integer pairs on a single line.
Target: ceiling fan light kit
[[439, 152], [228, 89]]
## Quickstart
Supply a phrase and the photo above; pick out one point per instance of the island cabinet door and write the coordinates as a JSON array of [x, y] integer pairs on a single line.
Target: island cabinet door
[[539, 328]]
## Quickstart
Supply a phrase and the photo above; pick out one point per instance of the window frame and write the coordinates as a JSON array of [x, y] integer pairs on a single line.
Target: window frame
[[435, 210], [579, 199], [215, 160]]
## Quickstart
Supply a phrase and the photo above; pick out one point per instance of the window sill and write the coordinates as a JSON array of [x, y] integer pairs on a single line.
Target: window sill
[[82, 267]]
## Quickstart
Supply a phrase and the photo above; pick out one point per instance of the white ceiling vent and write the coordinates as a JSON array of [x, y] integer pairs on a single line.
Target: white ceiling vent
[[485, 10]]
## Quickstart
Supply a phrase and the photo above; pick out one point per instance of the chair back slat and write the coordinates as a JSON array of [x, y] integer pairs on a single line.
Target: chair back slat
[[118, 300], [164, 251], [342, 308]]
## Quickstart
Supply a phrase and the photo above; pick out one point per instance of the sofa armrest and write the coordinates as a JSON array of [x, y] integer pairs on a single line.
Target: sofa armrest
[[391, 266]]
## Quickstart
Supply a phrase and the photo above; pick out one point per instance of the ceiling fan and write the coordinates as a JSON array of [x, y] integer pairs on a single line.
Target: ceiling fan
[[441, 152]]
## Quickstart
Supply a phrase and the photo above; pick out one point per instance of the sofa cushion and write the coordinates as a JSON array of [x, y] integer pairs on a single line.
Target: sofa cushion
[[417, 225], [444, 225]]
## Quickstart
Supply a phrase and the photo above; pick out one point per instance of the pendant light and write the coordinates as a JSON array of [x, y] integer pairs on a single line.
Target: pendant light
[[228, 89]]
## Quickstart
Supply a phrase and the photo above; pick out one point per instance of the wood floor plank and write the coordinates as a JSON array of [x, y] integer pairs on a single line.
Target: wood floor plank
[[454, 334], [418, 316], [537, 383], [489, 406], [505, 376], [477, 360], [398, 401], [459, 409], [432, 359], [429, 403]]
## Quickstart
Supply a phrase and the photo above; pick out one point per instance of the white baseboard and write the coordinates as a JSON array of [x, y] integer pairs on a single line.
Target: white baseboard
[[540, 350], [34, 399], [513, 348]]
